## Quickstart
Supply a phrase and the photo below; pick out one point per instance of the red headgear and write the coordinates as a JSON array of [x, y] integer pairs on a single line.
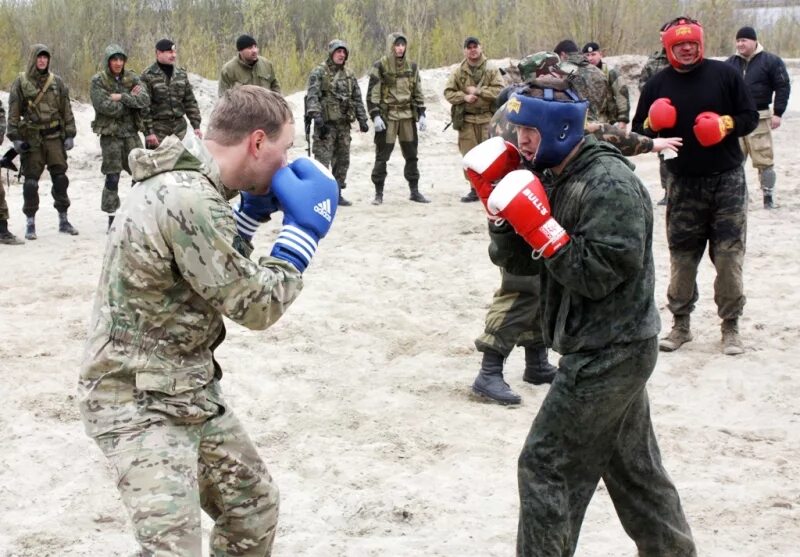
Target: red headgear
[[682, 30]]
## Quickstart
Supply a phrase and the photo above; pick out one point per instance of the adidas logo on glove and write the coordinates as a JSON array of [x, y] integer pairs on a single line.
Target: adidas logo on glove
[[323, 208]]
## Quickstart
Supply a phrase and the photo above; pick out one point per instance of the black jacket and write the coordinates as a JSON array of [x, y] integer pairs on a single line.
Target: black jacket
[[764, 75]]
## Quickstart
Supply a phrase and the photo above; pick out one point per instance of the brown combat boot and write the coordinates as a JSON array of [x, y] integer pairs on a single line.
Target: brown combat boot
[[731, 343], [678, 336]]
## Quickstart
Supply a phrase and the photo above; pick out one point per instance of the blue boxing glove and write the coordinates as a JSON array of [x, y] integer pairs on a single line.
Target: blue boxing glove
[[309, 196], [252, 211]]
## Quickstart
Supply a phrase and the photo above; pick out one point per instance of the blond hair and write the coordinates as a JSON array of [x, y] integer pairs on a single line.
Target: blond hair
[[245, 109]]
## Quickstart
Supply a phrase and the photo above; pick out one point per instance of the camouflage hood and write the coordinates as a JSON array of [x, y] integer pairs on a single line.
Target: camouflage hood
[[336, 44], [172, 154], [112, 50], [391, 39], [35, 51]]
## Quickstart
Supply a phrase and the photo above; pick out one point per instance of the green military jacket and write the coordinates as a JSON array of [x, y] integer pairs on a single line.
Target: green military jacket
[[2, 122], [237, 72], [489, 83], [117, 118], [170, 100], [30, 120], [591, 84], [618, 106], [170, 274], [654, 64], [395, 91], [598, 289], [334, 93]]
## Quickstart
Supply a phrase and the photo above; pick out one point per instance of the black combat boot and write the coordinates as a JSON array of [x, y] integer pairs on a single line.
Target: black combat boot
[[30, 228], [6, 237], [415, 195], [768, 203], [110, 222], [378, 195], [470, 197], [64, 225], [538, 370], [490, 384]]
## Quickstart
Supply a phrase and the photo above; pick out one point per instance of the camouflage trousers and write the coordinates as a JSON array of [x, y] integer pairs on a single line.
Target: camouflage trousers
[[383, 150], [595, 423], [168, 471], [514, 318], [115, 159], [707, 210], [163, 127], [3, 205], [50, 154], [470, 135], [334, 150]]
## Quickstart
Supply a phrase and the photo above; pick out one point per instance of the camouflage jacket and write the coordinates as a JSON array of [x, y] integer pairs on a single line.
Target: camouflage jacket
[[618, 107], [654, 64], [237, 72], [489, 83], [334, 93], [591, 84], [51, 116], [170, 273], [2, 122], [117, 118], [170, 99], [395, 91], [598, 289]]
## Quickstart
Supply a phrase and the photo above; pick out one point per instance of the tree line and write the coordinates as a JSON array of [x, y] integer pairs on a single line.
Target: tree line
[[294, 34]]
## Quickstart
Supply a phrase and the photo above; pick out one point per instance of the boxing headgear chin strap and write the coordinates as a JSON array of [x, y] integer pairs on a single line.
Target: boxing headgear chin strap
[[560, 123], [682, 30]]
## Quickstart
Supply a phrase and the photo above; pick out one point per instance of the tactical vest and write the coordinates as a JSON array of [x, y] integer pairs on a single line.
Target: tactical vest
[[336, 89], [39, 108], [389, 77]]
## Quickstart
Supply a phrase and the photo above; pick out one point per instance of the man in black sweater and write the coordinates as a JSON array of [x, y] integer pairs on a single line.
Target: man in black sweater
[[765, 75], [706, 103]]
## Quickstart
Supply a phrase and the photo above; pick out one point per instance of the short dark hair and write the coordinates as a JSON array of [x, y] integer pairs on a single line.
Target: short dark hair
[[567, 45]]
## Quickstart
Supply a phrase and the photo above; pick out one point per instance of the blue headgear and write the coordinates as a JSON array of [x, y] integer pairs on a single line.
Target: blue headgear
[[560, 123]]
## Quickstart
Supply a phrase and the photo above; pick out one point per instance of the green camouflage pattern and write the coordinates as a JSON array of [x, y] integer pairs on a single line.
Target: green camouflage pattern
[[117, 118], [707, 211], [591, 84], [236, 72], [333, 150], [618, 106], [51, 116], [172, 101], [3, 205], [334, 93], [394, 91], [489, 83], [544, 63], [654, 64]]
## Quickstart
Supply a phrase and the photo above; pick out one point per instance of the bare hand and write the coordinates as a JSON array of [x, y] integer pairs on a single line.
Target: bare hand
[[622, 125], [775, 123], [151, 140], [662, 143], [198, 133], [136, 90], [472, 90], [470, 98], [116, 97]]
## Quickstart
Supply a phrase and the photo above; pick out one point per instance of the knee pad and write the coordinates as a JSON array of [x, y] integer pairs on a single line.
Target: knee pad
[[30, 186], [60, 182], [112, 182], [767, 178]]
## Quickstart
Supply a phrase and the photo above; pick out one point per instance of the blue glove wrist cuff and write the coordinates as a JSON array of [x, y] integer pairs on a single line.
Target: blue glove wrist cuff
[[296, 241], [245, 225]]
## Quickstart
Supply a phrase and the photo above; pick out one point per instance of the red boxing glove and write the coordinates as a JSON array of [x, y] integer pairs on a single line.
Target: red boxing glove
[[662, 115], [519, 198], [488, 162], [710, 128]]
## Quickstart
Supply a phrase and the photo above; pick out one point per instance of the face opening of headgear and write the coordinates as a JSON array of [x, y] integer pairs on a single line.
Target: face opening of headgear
[[560, 123], [682, 30]]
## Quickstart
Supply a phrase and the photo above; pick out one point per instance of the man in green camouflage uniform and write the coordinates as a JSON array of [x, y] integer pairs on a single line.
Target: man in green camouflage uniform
[[119, 99], [472, 89], [248, 68], [618, 107], [333, 101], [600, 314], [6, 237], [589, 82], [395, 103], [656, 62], [172, 98], [149, 383], [42, 127]]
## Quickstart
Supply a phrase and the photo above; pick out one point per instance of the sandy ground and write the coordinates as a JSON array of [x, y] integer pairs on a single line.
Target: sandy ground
[[359, 398]]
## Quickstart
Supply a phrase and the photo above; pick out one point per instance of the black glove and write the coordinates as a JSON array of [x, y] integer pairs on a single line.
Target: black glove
[[21, 146], [319, 125], [363, 126]]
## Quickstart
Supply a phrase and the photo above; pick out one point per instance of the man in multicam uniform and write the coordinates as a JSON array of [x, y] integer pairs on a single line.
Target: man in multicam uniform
[[618, 107], [589, 82], [248, 68], [472, 89], [514, 318], [333, 101], [6, 236], [172, 98], [42, 127], [591, 225], [149, 385], [119, 99], [706, 103]]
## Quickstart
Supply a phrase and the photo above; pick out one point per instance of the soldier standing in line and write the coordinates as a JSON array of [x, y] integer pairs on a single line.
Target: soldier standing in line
[[765, 75], [6, 237], [172, 99], [472, 89], [395, 103], [588, 81], [618, 107], [42, 127], [248, 68], [334, 101], [119, 99]]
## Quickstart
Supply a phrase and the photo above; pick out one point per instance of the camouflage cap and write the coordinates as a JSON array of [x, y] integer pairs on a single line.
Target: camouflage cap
[[544, 63]]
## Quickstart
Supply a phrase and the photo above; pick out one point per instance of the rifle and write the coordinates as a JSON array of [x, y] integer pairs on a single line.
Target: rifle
[[307, 125], [7, 162], [447, 125]]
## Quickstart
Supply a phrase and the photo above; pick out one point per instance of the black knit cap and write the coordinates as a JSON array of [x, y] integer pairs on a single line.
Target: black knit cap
[[567, 46], [471, 40], [746, 33], [245, 41], [165, 45], [590, 47]]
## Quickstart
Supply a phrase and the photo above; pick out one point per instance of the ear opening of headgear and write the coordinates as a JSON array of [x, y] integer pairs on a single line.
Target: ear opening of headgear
[[560, 122], [682, 30]]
